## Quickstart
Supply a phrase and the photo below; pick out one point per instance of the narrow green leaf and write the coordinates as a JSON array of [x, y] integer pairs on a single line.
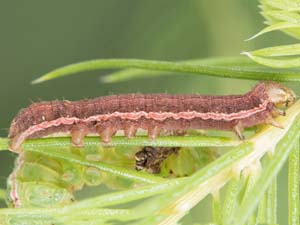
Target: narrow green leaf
[[120, 197], [288, 5], [293, 185], [104, 214], [174, 206], [272, 203], [216, 208], [262, 210], [167, 141], [251, 220], [273, 27], [283, 50], [291, 17], [270, 172], [276, 63], [251, 175], [179, 67], [230, 202], [128, 74]]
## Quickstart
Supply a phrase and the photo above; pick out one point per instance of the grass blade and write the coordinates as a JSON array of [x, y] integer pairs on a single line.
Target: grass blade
[[230, 202], [262, 210], [259, 73], [293, 186], [216, 209], [272, 203]]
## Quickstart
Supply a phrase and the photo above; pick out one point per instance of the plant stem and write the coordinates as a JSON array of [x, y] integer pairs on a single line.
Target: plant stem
[[262, 210], [126, 196], [230, 202], [166, 141], [216, 210], [282, 152], [181, 67], [272, 203], [293, 185]]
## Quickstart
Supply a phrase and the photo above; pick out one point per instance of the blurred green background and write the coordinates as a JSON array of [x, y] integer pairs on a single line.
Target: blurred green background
[[37, 36]]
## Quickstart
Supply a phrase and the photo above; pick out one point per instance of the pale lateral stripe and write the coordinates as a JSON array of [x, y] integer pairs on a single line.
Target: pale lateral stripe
[[159, 116]]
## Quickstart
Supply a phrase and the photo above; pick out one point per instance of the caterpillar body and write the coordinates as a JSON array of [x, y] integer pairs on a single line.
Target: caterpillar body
[[151, 112]]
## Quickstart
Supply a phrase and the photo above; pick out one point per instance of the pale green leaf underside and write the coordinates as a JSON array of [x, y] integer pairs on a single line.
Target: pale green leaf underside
[[280, 15]]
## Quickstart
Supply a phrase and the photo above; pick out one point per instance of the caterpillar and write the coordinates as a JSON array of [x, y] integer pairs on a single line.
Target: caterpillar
[[151, 112]]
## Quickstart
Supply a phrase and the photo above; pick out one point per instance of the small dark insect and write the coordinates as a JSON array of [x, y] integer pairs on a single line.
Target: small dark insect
[[151, 158]]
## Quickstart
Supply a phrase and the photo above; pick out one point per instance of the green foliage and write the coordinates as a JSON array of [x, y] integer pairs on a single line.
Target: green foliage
[[293, 182], [280, 15], [239, 175], [170, 199], [220, 67]]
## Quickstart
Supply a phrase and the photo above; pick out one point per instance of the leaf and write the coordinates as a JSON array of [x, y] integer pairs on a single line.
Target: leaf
[[288, 5], [283, 50], [276, 26], [293, 186], [205, 68], [270, 172], [276, 63], [167, 141], [279, 15]]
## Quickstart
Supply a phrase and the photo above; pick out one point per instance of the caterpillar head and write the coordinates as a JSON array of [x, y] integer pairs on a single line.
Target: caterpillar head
[[279, 94]]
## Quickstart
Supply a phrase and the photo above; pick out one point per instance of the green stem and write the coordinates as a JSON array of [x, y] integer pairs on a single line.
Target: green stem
[[293, 185], [180, 67], [282, 151], [231, 200], [216, 210], [250, 175], [272, 203], [128, 74], [117, 198], [262, 210], [166, 141], [208, 180], [104, 214]]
